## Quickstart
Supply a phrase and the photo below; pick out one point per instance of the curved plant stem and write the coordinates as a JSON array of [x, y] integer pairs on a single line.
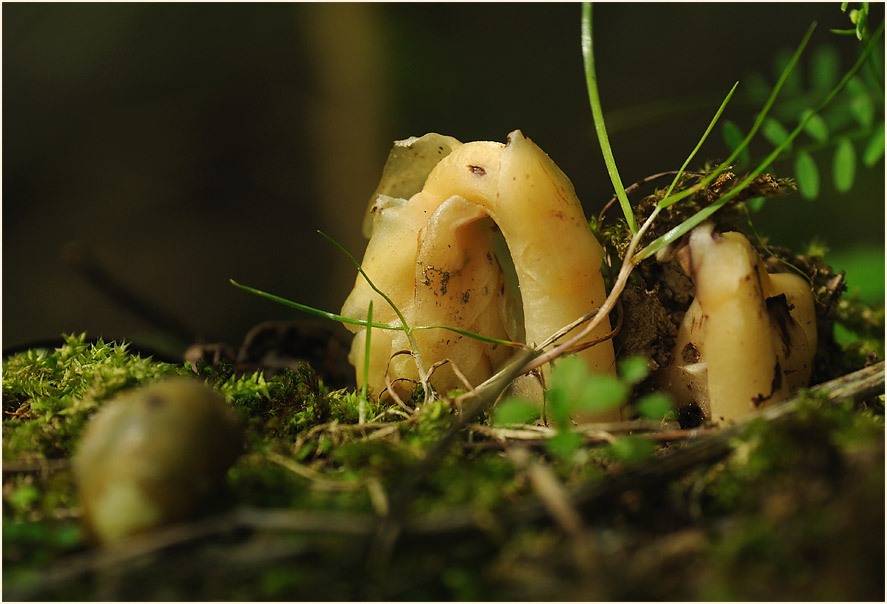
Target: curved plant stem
[[602, 312], [369, 281]]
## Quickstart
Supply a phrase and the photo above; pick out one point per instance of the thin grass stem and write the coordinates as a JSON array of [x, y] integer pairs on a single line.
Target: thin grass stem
[[472, 334], [420, 365], [368, 322], [362, 405], [705, 134], [311, 310], [598, 113], [369, 281]]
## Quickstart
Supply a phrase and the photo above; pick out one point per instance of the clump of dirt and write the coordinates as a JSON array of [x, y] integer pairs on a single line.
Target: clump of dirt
[[615, 236], [656, 300]]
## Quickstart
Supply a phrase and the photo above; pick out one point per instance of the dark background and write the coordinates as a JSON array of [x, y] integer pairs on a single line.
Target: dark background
[[185, 144]]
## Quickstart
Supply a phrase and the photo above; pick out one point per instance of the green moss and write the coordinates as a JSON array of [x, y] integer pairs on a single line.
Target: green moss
[[377, 458], [481, 481], [796, 492], [281, 406], [787, 491], [432, 422], [258, 482], [818, 541], [49, 394], [29, 544], [809, 445]]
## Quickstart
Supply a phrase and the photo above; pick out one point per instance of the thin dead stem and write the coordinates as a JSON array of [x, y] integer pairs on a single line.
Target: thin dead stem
[[604, 311], [592, 434], [604, 338], [389, 385]]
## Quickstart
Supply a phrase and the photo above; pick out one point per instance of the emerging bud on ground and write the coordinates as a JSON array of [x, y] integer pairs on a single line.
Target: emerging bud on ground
[[495, 242], [748, 339]]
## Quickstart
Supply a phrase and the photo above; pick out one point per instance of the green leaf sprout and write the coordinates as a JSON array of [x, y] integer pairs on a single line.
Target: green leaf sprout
[[808, 175]]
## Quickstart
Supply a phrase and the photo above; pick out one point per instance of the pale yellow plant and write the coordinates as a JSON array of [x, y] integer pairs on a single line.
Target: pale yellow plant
[[495, 242]]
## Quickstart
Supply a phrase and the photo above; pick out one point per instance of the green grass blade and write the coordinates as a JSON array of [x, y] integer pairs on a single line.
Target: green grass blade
[[368, 322], [369, 281], [705, 134], [598, 115], [311, 310], [362, 405], [472, 334]]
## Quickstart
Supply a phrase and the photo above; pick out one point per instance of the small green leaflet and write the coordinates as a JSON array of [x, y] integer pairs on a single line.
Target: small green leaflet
[[656, 405], [515, 410], [563, 444], [844, 167], [816, 128], [874, 149], [774, 132], [825, 67], [573, 386], [755, 204], [601, 392], [630, 449], [861, 105], [808, 175], [633, 369]]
